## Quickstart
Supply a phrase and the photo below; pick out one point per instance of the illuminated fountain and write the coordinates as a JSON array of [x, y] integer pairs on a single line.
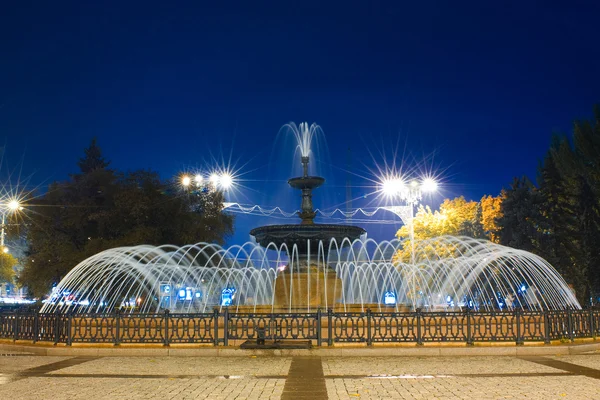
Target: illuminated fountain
[[307, 281], [459, 272], [308, 265]]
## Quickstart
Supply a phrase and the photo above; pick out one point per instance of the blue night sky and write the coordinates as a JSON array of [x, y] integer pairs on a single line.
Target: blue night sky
[[473, 90]]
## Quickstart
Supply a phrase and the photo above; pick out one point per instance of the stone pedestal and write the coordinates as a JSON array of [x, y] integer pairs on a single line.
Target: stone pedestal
[[315, 289]]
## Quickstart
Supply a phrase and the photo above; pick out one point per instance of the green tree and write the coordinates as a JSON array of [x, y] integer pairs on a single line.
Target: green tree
[[521, 223], [560, 221], [93, 159], [101, 209]]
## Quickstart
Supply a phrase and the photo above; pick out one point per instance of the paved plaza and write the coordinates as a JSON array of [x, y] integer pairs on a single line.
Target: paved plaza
[[26, 376]]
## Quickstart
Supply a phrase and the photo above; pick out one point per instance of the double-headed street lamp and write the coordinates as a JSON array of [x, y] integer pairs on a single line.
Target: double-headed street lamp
[[410, 193]]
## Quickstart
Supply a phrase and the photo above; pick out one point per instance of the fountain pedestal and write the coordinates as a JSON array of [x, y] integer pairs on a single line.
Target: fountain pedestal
[[304, 289]]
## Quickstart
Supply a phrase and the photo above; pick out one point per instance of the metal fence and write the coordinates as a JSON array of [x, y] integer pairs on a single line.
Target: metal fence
[[323, 328]]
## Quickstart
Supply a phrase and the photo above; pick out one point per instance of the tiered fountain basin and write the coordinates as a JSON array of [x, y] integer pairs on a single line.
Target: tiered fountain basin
[[304, 240]]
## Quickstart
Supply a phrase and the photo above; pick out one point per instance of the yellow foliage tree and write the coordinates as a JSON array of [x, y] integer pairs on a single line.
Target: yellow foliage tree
[[490, 212], [7, 264], [455, 217]]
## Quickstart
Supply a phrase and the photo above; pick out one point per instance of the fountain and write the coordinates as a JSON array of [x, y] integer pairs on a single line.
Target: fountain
[[309, 265], [312, 283]]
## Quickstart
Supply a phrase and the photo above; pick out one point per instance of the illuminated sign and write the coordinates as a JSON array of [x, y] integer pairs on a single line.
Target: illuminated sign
[[227, 295], [389, 298]]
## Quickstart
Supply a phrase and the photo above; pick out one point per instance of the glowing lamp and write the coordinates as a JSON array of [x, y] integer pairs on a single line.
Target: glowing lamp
[[429, 185], [226, 181], [392, 187], [186, 181], [14, 205]]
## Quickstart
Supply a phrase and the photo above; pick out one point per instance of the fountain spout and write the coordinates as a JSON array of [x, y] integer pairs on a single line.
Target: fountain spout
[[304, 161]]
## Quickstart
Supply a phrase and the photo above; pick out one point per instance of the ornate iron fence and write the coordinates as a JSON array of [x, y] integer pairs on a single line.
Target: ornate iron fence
[[226, 327]]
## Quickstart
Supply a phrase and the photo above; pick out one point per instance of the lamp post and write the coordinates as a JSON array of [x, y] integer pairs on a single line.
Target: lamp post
[[215, 181], [10, 206], [410, 194]]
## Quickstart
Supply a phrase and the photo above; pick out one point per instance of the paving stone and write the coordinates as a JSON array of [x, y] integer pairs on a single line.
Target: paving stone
[[389, 377]]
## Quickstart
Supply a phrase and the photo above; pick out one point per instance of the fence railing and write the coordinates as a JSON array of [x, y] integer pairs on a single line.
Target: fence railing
[[228, 327]]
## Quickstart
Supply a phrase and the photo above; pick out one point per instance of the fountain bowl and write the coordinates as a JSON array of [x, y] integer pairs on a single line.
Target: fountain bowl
[[306, 237]]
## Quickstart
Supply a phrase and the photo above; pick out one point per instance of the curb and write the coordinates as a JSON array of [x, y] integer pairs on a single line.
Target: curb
[[345, 351]]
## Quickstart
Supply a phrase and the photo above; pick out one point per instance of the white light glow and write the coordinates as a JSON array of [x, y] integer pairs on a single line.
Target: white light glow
[[14, 205], [226, 181], [392, 187], [198, 178], [186, 181], [214, 179], [429, 185]]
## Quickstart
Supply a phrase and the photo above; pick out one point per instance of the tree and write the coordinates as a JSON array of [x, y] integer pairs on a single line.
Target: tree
[[491, 210], [521, 222], [7, 265], [456, 217], [93, 159], [101, 209], [560, 220]]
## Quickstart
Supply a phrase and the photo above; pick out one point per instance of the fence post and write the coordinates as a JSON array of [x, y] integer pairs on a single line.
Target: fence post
[[56, 327], [546, 327], [36, 326], [166, 338], [419, 333], [469, 327], [216, 322], [517, 316], [319, 336], [69, 325], [369, 335], [570, 324], [226, 327], [117, 326], [330, 327], [592, 327], [16, 327]]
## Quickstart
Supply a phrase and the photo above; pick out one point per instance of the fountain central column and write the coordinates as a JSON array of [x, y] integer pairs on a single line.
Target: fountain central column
[[308, 281]]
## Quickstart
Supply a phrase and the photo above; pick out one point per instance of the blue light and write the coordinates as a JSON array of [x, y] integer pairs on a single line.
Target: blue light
[[181, 293], [227, 295], [389, 298], [198, 295], [166, 289], [523, 288]]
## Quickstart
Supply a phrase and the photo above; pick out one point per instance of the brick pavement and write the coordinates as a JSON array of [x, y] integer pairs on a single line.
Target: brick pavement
[[38, 377]]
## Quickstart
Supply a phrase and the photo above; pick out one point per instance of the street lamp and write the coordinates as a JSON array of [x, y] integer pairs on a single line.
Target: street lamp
[[411, 194], [10, 206], [186, 181], [217, 180]]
